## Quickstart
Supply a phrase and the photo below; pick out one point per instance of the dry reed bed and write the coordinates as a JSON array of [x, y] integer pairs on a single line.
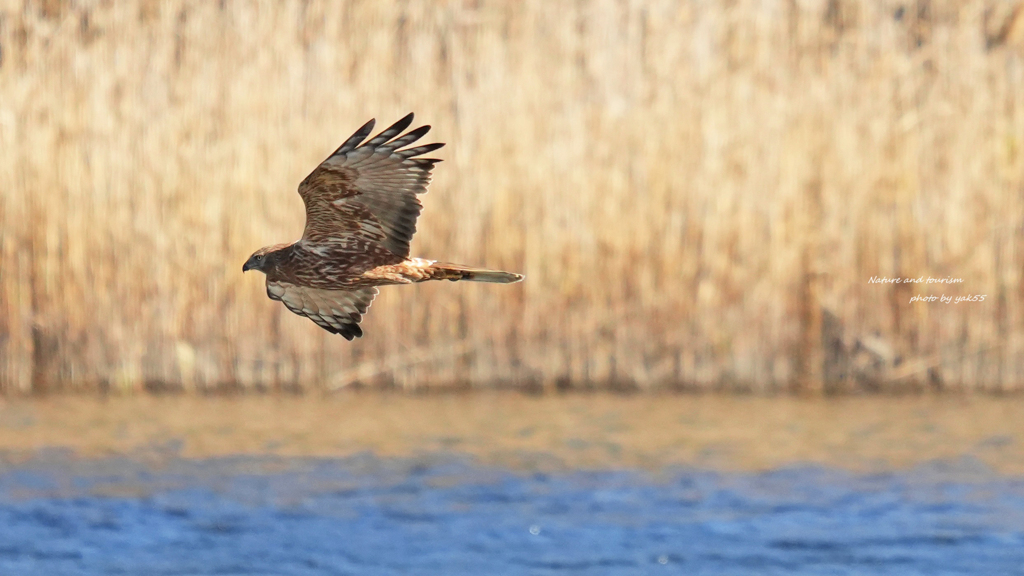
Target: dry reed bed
[[697, 192]]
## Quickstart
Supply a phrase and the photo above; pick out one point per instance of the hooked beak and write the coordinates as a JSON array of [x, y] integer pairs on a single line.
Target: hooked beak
[[247, 266]]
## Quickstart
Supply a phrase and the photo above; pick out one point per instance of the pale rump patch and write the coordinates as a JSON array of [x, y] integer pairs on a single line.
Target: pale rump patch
[[412, 270]]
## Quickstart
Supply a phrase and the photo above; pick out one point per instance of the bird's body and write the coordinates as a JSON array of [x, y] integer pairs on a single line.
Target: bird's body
[[361, 210]]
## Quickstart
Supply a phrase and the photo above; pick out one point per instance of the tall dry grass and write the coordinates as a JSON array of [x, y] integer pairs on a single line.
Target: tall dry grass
[[697, 192]]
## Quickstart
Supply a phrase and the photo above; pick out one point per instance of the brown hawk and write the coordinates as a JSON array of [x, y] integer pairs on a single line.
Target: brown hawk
[[361, 209]]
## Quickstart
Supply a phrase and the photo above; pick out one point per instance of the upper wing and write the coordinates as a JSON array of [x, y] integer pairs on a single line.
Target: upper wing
[[337, 311], [366, 192]]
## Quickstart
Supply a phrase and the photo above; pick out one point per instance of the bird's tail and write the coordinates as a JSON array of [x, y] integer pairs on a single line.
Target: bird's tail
[[455, 272]]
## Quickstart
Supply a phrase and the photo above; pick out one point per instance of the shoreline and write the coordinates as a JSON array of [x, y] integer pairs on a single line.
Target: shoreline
[[597, 430]]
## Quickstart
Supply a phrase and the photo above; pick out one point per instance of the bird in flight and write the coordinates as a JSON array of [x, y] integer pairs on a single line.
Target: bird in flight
[[361, 209]]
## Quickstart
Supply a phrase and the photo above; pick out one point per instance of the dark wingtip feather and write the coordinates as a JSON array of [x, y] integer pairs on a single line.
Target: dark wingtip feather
[[391, 131], [347, 331], [419, 150], [408, 138], [357, 137]]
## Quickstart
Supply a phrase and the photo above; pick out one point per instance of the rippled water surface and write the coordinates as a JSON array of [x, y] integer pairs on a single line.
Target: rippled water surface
[[447, 505]]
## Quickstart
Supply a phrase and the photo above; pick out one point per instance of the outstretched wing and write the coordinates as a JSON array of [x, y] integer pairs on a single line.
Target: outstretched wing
[[337, 311], [365, 193]]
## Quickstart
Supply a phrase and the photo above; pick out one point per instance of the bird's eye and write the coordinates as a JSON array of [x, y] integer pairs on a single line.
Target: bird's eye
[[259, 257]]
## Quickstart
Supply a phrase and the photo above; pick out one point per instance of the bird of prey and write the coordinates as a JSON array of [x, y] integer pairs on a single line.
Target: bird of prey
[[361, 209]]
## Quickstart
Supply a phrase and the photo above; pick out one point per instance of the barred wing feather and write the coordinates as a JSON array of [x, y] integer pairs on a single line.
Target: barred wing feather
[[366, 192]]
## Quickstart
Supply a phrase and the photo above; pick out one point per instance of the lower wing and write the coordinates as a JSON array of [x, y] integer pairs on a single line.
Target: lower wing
[[337, 311]]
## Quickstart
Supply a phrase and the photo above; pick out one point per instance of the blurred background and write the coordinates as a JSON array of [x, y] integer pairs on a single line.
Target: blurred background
[[698, 193]]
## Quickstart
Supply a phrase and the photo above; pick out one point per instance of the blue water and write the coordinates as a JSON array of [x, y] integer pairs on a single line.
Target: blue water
[[446, 515]]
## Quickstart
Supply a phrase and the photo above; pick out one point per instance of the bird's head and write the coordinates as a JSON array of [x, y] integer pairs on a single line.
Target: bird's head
[[260, 260]]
